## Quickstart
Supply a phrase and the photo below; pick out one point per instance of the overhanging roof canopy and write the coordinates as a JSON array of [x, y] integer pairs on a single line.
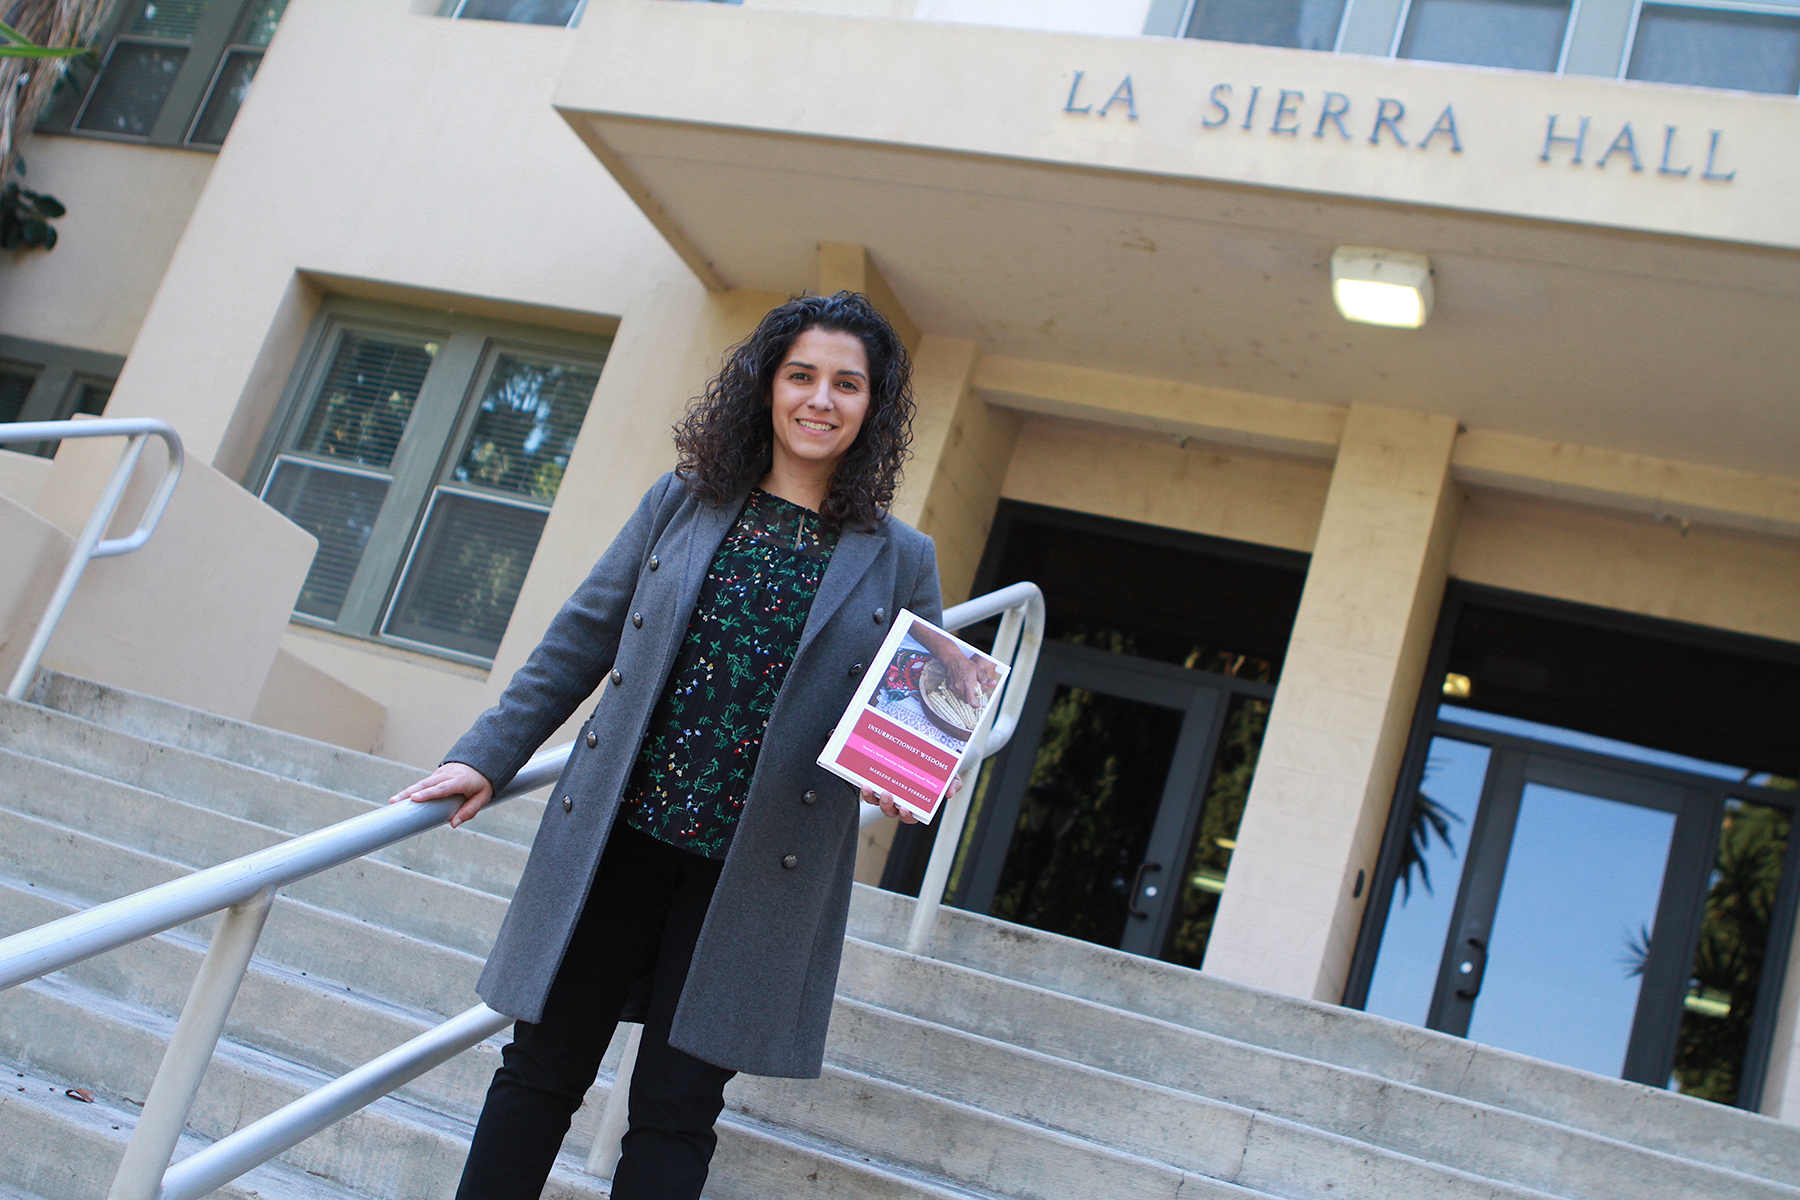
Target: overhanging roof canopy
[[1009, 202]]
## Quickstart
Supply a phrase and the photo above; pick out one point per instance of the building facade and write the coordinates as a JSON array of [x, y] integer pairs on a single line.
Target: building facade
[[1452, 672]]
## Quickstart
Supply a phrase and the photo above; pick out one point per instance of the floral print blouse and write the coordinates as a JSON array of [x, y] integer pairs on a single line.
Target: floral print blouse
[[693, 771]]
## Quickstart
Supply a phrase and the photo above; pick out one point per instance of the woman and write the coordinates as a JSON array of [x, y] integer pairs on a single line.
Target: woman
[[694, 861]]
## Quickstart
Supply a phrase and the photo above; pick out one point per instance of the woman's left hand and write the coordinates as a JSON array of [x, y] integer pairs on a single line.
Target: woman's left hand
[[889, 808]]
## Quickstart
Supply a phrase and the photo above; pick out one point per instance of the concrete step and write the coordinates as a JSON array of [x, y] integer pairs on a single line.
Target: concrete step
[[309, 1020], [1017, 1063], [163, 721], [401, 1150], [358, 954], [287, 755], [65, 1027], [466, 856], [60, 1027], [329, 1029], [973, 1103], [59, 1148], [332, 1030], [1626, 1113], [1006, 1047], [408, 901]]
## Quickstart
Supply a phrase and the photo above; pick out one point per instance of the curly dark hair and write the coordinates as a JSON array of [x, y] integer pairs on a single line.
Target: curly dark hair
[[726, 440]]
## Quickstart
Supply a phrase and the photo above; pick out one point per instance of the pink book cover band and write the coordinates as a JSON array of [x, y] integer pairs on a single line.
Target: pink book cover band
[[917, 717]]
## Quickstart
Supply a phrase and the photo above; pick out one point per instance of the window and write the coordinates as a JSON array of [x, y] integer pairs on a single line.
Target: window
[[1714, 47], [527, 12], [40, 381], [172, 72], [1524, 34], [424, 451], [524, 12], [1301, 24]]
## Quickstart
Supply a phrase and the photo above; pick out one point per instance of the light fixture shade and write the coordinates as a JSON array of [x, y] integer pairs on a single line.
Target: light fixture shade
[[1381, 287]]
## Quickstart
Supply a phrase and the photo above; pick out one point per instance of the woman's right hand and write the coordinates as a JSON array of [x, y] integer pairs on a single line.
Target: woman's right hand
[[451, 779]]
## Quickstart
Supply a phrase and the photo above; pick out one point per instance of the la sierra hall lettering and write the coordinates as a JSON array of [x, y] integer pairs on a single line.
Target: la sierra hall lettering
[[1384, 121]]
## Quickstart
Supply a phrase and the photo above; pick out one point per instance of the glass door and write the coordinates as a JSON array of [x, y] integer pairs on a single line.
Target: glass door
[[1565, 914], [1600, 914], [1086, 822]]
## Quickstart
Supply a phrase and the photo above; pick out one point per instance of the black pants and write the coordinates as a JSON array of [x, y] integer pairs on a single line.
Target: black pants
[[643, 915]]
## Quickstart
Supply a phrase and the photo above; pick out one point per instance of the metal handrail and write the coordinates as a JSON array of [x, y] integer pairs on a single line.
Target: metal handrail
[[89, 545], [245, 889]]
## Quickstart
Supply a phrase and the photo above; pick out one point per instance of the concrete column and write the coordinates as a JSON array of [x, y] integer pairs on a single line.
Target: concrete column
[[846, 266], [1337, 731], [962, 447], [961, 450]]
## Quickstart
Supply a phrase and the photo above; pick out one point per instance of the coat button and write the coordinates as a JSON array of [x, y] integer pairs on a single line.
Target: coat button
[[637, 620], [790, 861], [654, 562], [880, 615], [568, 804], [617, 678], [593, 739], [855, 670], [808, 796]]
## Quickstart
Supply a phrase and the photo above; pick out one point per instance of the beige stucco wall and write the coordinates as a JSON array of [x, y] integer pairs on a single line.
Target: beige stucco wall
[[36, 551], [388, 152], [1338, 725], [962, 449], [301, 698], [394, 153], [127, 208], [22, 477], [195, 615], [379, 144], [1700, 574], [425, 700], [1012, 94], [1121, 17], [1199, 487]]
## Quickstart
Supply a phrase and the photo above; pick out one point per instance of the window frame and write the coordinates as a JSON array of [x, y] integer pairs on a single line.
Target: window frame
[[1748, 7], [453, 9], [62, 371], [1188, 8], [1562, 52], [216, 37], [440, 420]]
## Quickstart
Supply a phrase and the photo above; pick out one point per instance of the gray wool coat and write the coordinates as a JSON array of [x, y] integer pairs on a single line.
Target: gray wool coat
[[758, 995]]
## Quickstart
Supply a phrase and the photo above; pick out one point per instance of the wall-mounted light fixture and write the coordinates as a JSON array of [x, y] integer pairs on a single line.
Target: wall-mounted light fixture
[[1381, 287]]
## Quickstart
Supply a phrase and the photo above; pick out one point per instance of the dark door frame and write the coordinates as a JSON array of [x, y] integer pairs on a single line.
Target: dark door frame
[[912, 843], [1651, 1056], [1204, 699]]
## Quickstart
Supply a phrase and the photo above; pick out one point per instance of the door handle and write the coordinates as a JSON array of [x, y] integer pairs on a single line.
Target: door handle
[[1470, 967], [1137, 884]]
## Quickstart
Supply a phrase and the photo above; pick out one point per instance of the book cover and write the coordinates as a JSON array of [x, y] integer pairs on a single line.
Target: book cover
[[917, 717]]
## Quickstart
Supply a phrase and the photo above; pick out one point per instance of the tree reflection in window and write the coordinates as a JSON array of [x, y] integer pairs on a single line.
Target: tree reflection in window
[[525, 426], [1210, 856], [1728, 962]]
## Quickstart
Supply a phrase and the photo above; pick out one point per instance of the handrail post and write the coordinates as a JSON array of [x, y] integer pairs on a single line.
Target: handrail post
[[603, 1159], [171, 1096], [1020, 635], [89, 545], [943, 855]]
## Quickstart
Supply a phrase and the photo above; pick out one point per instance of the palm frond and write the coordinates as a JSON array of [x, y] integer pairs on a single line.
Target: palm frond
[[35, 48]]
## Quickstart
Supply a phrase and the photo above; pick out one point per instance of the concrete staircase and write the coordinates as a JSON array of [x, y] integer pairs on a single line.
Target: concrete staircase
[[1009, 1064]]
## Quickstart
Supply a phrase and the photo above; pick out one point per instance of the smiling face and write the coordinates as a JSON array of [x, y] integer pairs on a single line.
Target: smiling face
[[818, 400]]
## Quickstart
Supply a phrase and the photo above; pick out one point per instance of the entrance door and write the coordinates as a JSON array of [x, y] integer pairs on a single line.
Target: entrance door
[[1094, 806], [1575, 920]]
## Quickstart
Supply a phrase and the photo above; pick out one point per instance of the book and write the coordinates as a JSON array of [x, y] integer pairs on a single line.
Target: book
[[917, 717]]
